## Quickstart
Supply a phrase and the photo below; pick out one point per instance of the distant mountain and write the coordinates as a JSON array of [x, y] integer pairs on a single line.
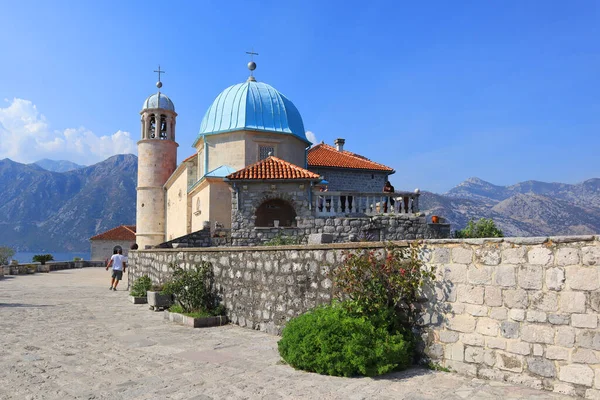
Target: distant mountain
[[528, 208], [58, 166], [52, 211]]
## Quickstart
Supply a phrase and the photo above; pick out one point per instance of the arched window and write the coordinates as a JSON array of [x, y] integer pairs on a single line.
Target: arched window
[[163, 127], [152, 127], [275, 210]]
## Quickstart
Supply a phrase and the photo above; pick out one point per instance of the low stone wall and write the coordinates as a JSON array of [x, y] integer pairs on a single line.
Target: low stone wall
[[347, 229], [21, 268], [524, 310]]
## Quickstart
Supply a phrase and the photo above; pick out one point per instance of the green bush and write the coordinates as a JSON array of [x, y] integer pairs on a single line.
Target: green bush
[[6, 253], [193, 288], [334, 341], [43, 258], [484, 228], [141, 286], [281, 240]]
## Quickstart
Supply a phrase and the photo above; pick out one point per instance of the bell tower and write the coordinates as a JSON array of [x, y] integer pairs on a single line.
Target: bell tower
[[157, 160]]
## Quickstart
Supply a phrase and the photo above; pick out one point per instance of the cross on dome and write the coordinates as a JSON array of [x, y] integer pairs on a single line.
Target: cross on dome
[[159, 83]]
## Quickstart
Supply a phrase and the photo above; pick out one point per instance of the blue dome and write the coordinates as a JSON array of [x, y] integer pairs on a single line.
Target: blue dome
[[153, 102], [253, 106]]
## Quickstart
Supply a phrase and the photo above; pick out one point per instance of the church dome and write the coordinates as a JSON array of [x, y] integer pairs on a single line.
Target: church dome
[[154, 102], [253, 106]]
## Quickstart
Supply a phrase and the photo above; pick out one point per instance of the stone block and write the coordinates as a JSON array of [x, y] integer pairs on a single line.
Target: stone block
[[578, 374], [476, 310], [435, 351], [455, 273], [536, 316], [565, 388], [472, 339], [509, 362], [540, 256], [474, 354], [499, 313], [544, 301], [584, 320], [567, 256], [538, 350], [480, 274], [555, 278], [495, 343], [505, 276], [519, 348], [572, 302], [461, 323], [487, 326], [592, 394], [441, 255], [558, 319], [488, 255], [320, 238], [589, 339], [597, 380], [493, 296], [461, 255], [515, 298], [590, 255], [470, 294], [530, 276], [541, 367], [584, 356], [516, 315], [454, 351], [582, 278], [448, 336], [537, 334], [515, 255], [565, 336], [462, 367], [509, 329], [557, 353], [595, 301]]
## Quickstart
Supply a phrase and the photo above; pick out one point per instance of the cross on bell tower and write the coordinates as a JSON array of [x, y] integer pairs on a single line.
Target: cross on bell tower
[[159, 83]]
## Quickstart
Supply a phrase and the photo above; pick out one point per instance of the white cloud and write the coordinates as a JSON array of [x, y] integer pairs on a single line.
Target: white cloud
[[311, 137], [25, 136]]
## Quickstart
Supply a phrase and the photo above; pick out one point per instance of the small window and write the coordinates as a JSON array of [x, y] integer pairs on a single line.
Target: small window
[[372, 176], [265, 151]]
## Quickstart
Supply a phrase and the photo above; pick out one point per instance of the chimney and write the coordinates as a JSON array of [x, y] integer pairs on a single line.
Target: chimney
[[339, 144]]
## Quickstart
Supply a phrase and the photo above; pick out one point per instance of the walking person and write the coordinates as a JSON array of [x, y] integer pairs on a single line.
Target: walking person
[[118, 264]]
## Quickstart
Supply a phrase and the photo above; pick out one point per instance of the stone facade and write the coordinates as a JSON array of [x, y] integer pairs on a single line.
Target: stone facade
[[344, 179], [523, 310], [103, 249]]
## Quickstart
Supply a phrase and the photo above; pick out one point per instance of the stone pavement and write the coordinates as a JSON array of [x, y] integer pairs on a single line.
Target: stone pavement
[[64, 335]]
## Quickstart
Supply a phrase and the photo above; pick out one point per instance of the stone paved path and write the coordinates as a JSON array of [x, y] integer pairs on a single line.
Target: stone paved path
[[64, 336]]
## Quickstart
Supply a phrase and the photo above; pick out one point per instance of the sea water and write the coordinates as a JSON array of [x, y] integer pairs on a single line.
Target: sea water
[[25, 257]]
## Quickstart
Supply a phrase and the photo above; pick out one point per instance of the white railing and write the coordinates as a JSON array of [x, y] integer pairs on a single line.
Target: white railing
[[342, 203]]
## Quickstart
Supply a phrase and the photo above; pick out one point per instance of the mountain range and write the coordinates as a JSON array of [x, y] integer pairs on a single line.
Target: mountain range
[[45, 210], [530, 208]]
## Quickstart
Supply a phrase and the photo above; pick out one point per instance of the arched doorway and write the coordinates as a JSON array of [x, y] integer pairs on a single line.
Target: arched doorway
[[275, 210]]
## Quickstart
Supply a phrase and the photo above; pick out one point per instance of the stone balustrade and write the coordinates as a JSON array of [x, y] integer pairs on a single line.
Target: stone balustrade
[[329, 204]]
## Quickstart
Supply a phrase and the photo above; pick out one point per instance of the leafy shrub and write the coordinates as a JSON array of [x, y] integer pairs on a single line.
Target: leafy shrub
[[177, 308], [43, 258], [6, 253], [281, 240], [141, 286], [386, 284], [333, 341], [77, 259], [484, 228], [193, 288]]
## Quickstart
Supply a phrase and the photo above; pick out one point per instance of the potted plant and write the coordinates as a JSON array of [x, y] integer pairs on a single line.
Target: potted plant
[[157, 299], [139, 290]]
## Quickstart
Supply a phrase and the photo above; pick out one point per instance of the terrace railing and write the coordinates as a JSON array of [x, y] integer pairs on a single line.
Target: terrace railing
[[342, 203]]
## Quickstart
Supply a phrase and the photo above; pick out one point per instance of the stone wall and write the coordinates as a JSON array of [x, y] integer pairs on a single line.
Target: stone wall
[[524, 310], [103, 249], [352, 180]]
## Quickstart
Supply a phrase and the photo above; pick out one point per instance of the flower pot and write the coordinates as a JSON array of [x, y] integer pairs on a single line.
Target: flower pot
[[435, 219], [157, 301]]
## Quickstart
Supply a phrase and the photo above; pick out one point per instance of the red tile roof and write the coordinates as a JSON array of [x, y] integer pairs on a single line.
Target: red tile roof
[[191, 157], [273, 168], [123, 232], [324, 155]]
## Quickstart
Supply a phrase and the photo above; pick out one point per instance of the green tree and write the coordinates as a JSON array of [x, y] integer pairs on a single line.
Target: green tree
[[6, 254], [42, 258], [484, 228]]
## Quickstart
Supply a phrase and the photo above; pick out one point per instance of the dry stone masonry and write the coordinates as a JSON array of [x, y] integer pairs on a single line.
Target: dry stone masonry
[[523, 310]]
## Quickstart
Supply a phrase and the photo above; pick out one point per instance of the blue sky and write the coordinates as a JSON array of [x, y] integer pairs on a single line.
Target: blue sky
[[440, 91]]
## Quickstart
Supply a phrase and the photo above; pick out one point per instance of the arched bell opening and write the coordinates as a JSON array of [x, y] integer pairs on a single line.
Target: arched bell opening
[[275, 212]]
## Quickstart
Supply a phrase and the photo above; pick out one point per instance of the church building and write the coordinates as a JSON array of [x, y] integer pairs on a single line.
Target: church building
[[253, 168]]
